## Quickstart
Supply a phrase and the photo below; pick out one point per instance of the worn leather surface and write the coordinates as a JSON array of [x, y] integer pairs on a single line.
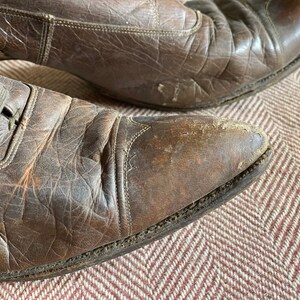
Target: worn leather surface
[[75, 176], [168, 53]]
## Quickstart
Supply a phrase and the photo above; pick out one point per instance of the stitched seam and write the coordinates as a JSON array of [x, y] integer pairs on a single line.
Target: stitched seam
[[115, 166], [18, 137], [46, 34], [109, 28], [24, 15], [49, 39], [154, 8], [126, 163], [274, 30], [42, 43], [132, 30]]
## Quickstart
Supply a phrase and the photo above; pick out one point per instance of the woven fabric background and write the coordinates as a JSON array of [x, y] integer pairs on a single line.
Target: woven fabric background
[[248, 249]]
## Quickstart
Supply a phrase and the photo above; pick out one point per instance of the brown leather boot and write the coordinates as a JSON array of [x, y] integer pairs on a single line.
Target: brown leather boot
[[159, 53], [81, 184]]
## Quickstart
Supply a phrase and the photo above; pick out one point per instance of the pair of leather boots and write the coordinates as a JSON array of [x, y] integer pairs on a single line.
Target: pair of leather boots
[[80, 183]]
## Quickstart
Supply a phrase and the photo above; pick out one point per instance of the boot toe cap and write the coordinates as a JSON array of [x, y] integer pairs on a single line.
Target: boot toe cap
[[179, 160]]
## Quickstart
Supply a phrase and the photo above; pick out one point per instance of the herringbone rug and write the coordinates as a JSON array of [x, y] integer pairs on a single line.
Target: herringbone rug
[[248, 249]]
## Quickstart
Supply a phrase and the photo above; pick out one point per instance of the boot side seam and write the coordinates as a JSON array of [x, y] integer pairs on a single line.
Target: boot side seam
[[144, 128], [46, 40], [154, 8], [274, 30], [117, 124], [104, 27]]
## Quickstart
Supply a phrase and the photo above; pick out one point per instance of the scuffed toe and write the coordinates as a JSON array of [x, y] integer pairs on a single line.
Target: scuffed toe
[[175, 161]]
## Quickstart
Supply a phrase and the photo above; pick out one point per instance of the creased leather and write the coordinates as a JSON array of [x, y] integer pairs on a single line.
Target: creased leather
[[75, 176], [12, 105], [57, 194], [167, 53]]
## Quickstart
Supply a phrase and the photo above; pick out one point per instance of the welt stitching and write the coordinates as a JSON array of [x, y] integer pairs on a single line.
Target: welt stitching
[[115, 167], [141, 236], [274, 29], [126, 163], [20, 131], [109, 28]]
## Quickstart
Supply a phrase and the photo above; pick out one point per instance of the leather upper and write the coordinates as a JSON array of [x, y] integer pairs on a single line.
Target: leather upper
[[54, 203], [285, 17], [168, 53], [75, 176]]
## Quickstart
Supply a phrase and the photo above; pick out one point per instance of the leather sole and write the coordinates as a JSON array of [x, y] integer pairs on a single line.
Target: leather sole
[[182, 218], [246, 91]]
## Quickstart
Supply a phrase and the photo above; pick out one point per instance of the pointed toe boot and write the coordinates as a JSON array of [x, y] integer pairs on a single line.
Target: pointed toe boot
[[81, 184], [162, 54]]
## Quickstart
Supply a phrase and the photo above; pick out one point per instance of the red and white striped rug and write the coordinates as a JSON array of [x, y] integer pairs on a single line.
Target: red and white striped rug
[[248, 249]]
